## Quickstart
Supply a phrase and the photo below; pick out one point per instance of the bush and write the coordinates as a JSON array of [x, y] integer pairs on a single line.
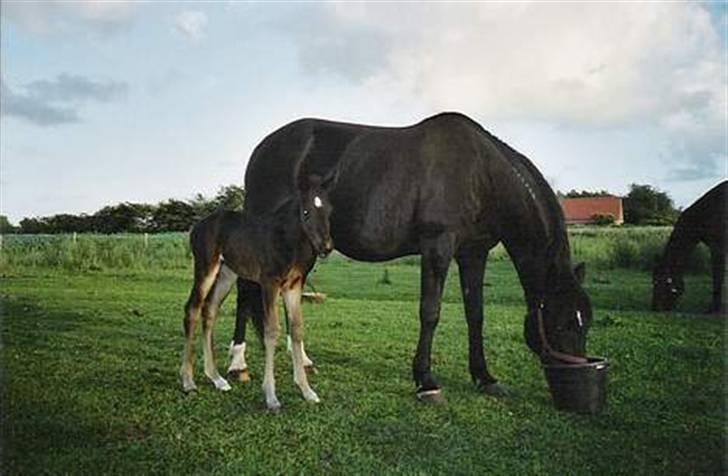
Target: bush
[[603, 219]]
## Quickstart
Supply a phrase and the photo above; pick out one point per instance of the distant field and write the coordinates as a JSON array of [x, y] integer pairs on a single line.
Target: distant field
[[607, 247], [91, 342]]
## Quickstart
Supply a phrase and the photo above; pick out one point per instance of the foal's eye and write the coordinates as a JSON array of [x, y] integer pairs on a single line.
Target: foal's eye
[[305, 213]]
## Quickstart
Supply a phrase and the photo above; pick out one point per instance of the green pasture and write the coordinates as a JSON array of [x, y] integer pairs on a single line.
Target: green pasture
[[91, 341]]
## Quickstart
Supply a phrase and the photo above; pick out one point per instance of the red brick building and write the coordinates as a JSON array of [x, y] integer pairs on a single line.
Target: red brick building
[[581, 211]]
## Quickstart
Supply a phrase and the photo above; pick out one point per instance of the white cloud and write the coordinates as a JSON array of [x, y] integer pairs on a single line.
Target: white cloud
[[575, 64], [51, 17], [191, 24]]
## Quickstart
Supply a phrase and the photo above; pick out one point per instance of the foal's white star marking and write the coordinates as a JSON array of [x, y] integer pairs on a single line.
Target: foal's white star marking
[[578, 319], [317, 202]]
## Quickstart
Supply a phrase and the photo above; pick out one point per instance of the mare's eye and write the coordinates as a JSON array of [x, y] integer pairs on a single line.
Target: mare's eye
[[306, 214]]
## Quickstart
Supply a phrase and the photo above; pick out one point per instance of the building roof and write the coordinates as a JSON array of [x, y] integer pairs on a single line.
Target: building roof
[[581, 210]]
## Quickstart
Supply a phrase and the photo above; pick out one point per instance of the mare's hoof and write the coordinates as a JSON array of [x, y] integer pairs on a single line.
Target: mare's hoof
[[239, 375], [433, 396], [310, 369], [494, 390]]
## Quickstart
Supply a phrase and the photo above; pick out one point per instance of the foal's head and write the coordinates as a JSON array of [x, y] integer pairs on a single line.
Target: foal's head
[[314, 212]]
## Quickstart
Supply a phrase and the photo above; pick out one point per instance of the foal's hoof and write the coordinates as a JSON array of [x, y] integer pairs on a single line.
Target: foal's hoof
[[189, 387], [221, 384], [494, 390], [273, 406], [433, 396], [239, 375]]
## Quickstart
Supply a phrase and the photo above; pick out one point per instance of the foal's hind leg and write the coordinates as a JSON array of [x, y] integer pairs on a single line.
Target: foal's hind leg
[[292, 297], [220, 289], [471, 264], [204, 279]]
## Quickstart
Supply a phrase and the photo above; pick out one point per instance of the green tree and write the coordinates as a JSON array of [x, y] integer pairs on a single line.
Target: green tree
[[586, 194], [130, 217], [174, 215], [6, 226], [34, 225], [230, 197], [646, 205]]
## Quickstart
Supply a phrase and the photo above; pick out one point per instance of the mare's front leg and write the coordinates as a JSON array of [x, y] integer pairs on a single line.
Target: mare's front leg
[[220, 289], [292, 297], [471, 264], [718, 262], [270, 339], [436, 255]]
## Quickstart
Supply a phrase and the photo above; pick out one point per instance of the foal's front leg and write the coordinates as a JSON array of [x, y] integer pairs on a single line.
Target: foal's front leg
[[292, 297], [270, 339]]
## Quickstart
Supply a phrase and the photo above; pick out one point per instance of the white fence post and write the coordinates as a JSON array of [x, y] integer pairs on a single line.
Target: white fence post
[[146, 240]]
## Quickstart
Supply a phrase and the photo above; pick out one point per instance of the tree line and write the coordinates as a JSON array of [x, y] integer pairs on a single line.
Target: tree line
[[643, 205], [127, 217]]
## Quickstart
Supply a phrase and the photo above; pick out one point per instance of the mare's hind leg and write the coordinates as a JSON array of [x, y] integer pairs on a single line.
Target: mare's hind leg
[[248, 295], [220, 289], [204, 279], [471, 264], [436, 255], [292, 297], [718, 262]]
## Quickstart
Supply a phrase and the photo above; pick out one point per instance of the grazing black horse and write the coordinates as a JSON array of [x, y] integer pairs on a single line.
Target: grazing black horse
[[445, 189], [704, 221]]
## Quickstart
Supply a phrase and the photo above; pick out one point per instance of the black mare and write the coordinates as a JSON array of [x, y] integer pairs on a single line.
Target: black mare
[[445, 189], [704, 221]]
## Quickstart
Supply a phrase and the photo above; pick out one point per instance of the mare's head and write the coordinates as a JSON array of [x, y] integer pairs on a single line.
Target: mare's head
[[314, 211], [556, 327], [667, 287]]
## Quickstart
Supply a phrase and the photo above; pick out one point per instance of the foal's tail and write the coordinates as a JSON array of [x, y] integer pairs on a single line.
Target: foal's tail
[[205, 243]]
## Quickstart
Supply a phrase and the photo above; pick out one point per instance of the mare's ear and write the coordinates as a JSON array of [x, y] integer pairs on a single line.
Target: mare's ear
[[580, 272]]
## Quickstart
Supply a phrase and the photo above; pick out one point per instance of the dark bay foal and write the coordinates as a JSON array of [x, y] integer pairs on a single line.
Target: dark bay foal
[[276, 251]]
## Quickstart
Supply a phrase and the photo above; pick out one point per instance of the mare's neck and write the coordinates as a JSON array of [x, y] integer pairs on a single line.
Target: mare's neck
[[534, 233], [681, 243]]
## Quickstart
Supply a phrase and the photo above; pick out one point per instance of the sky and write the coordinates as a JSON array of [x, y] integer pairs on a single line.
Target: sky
[[104, 102]]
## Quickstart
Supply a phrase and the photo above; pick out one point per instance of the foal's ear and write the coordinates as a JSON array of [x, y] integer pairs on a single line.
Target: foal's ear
[[314, 181], [580, 272]]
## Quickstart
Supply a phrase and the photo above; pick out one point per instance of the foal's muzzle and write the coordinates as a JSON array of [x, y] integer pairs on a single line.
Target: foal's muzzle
[[326, 249]]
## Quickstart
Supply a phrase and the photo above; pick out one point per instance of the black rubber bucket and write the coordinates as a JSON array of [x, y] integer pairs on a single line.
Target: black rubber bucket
[[579, 388]]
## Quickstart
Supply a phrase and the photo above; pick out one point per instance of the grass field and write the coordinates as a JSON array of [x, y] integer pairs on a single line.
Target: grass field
[[90, 357]]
